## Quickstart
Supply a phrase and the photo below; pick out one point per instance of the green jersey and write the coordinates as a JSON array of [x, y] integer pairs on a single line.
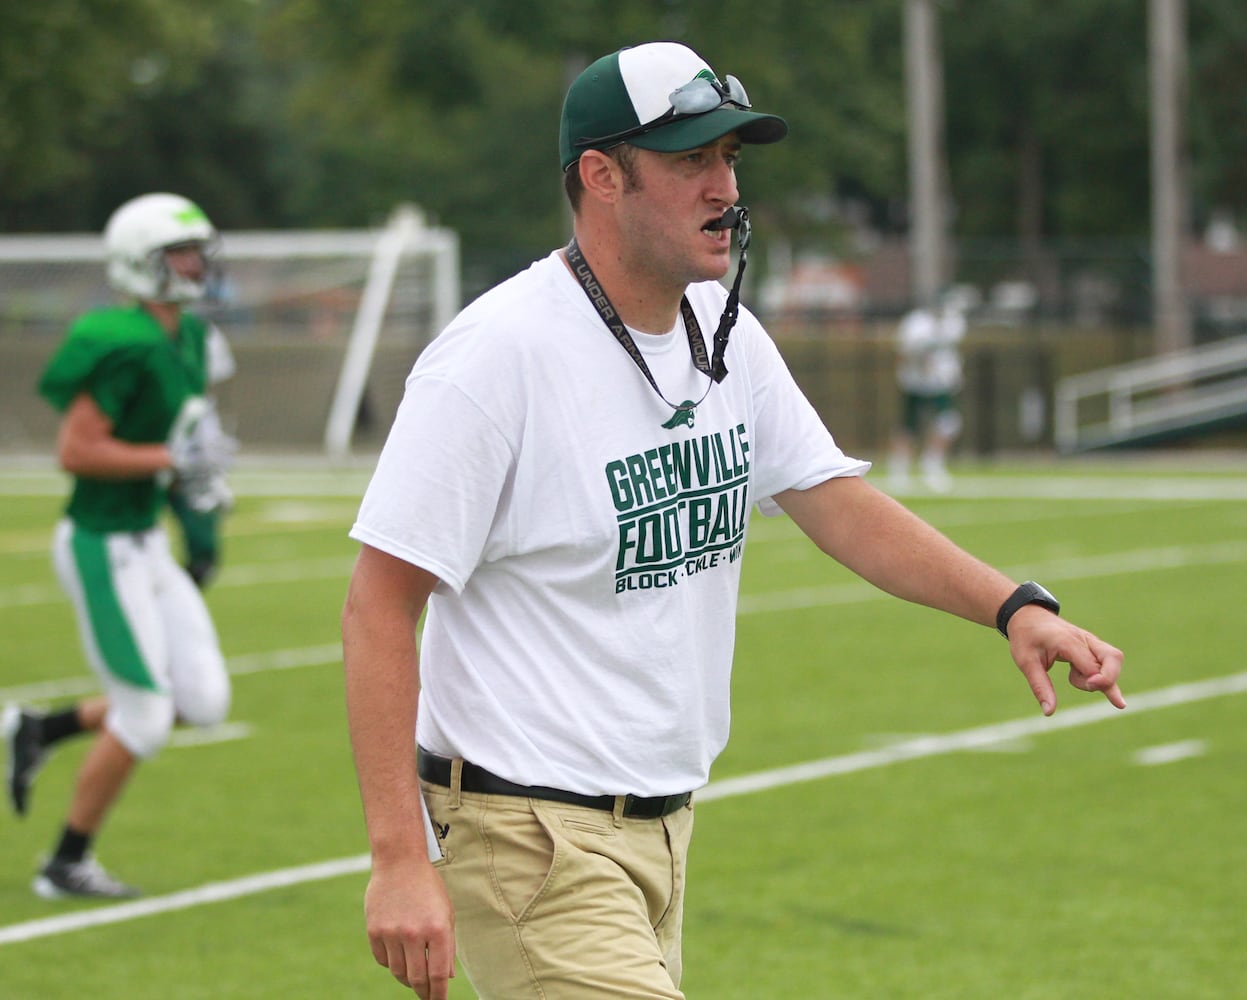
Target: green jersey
[[139, 375]]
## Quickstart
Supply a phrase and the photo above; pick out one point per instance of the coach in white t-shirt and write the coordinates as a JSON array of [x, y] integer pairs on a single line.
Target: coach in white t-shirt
[[567, 489]]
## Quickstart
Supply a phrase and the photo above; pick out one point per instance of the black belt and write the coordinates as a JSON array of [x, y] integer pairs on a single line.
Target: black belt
[[436, 770]]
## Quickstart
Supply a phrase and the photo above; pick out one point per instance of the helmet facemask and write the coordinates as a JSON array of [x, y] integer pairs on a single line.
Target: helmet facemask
[[170, 284]]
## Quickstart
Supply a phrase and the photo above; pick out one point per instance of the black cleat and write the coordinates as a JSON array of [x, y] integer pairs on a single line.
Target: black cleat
[[20, 732], [83, 879]]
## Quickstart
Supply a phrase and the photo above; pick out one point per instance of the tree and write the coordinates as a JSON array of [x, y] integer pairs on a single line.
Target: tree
[[1047, 115], [330, 112], [456, 106], [71, 72], [1218, 78]]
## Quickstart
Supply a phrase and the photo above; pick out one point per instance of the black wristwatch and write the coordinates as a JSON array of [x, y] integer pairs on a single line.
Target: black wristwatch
[[1028, 593]]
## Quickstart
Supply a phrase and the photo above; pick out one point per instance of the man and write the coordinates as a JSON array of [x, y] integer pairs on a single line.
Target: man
[[929, 374], [572, 515], [31, 735], [129, 382]]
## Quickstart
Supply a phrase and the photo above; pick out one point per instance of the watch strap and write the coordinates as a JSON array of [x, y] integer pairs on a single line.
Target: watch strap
[[1028, 593]]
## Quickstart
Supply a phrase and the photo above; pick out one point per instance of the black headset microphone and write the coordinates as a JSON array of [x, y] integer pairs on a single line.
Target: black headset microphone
[[738, 219], [729, 220]]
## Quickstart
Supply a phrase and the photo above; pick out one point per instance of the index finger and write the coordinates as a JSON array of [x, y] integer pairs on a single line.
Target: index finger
[[1098, 669]]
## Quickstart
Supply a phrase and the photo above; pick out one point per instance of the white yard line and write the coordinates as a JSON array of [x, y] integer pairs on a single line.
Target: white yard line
[[852, 592], [273, 519], [1170, 753], [983, 737], [256, 476], [213, 892], [200, 736], [1065, 568], [247, 663], [1092, 487], [242, 575], [1065, 482], [913, 749]]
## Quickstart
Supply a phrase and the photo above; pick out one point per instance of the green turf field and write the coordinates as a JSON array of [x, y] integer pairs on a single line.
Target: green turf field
[[943, 841]]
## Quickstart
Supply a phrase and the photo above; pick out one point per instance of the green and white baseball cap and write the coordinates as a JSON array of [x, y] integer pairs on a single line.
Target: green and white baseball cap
[[660, 96]]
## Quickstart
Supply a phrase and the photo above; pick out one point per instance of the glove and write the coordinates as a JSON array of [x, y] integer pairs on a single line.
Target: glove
[[201, 452], [198, 443], [205, 490]]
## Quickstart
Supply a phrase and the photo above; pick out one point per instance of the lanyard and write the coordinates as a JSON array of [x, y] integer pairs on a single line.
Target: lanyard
[[715, 369], [696, 344], [733, 218]]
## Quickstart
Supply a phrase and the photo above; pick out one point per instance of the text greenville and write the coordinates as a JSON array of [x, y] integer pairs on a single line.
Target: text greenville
[[682, 508]]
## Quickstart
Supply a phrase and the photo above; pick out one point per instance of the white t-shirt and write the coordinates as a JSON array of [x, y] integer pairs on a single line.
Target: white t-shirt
[[929, 344], [581, 636]]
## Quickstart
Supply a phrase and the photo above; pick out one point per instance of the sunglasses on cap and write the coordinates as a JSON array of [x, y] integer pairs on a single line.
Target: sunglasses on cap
[[697, 97]]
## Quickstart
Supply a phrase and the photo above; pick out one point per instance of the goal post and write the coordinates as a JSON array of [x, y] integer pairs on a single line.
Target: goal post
[[324, 324], [405, 233]]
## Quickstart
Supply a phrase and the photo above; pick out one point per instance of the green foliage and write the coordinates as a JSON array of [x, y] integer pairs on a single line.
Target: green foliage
[[1053, 95], [70, 69], [1219, 81], [309, 113], [456, 107]]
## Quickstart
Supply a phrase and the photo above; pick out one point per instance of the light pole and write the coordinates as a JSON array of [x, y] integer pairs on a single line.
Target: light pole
[[924, 85], [1167, 63]]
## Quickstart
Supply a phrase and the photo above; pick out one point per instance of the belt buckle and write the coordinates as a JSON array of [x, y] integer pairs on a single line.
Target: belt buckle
[[656, 807], [633, 805]]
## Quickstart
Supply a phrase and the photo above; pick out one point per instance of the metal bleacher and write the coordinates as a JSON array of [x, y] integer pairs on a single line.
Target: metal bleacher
[[1155, 400]]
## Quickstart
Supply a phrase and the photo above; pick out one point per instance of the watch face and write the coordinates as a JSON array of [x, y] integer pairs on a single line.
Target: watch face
[[1042, 592]]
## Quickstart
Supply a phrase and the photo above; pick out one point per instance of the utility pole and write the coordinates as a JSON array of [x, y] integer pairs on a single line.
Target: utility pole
[[924, 80], [1167, 62]]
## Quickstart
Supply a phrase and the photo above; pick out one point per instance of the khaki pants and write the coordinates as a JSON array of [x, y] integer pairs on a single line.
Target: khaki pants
[[561, 902]]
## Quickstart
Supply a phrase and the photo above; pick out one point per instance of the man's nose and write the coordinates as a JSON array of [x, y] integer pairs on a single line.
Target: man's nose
[[725, 188]]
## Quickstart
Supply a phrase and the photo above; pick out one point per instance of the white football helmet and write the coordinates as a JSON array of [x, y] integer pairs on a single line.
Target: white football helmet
[[137, 236]]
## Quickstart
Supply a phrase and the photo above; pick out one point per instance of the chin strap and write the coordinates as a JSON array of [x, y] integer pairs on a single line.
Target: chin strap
[[738, 219]]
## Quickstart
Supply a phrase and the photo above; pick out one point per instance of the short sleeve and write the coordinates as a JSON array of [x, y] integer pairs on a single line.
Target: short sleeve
[[88, 364], [435, 494]]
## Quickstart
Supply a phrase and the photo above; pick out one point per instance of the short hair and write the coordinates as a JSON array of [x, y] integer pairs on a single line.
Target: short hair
[[624, 154]]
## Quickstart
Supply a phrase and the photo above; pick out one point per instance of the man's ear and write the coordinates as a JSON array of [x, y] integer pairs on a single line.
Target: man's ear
[[600, 175]]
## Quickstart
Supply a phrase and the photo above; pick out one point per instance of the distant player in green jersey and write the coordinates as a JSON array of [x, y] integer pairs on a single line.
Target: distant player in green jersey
[[130, 383]]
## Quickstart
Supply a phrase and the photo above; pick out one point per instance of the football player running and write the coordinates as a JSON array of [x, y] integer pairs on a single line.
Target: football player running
[[130, 382]]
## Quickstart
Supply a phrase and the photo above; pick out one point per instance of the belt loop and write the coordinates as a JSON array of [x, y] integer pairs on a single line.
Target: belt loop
[[456, 782], [621, 801]]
